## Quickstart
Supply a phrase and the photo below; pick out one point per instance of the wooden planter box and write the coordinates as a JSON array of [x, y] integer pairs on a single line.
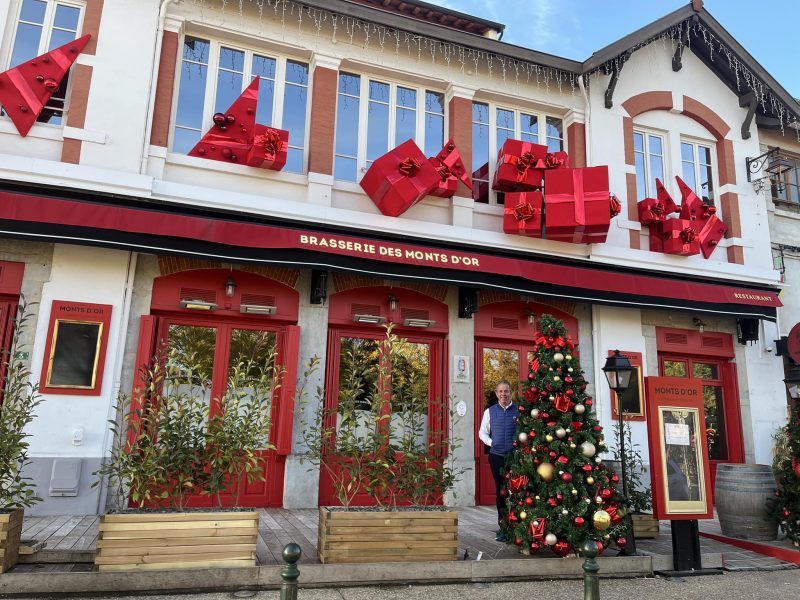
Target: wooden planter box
[[396, 536], [10, 530], [192, 540], [645, 527]]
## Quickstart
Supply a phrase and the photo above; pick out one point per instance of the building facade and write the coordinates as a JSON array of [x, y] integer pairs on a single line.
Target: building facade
[[107, 219]]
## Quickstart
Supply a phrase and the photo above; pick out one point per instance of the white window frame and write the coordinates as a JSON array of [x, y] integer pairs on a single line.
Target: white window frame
[[215, 47], [695, 142], [542, 136], [649, 179], [363, 117], [44, 42]]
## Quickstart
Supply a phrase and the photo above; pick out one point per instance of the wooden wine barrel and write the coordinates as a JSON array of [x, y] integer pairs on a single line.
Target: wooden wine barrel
[[740, 495]]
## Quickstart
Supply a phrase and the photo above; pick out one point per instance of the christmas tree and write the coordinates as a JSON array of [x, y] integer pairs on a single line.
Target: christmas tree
[[558, 491], [785, 506]]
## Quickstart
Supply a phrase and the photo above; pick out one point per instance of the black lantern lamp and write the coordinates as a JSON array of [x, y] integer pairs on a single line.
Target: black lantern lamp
[[618, 371], [792, 382], [773, 164]]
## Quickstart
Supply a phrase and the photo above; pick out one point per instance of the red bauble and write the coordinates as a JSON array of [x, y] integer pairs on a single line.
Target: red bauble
[[551, 423], [519, 503], [531, 376], [545, 415], [797, 470], [518, 541], [570, 392], [580, 521], [559, 496], [543, 393], [529, 501], [561, 548], [615, 478], [512, 517], [536, 461], [787, 514], [552, 502], [597, 428], [514, 444], [587, 468], [621, 542], [600, 547], [563, 460], [567, 379], [219, 119], [576, 426], [534, 545], [521, 408], [566, 477], [552, 454], [503, 493], [606, 493], [533, 389], [588, 401]]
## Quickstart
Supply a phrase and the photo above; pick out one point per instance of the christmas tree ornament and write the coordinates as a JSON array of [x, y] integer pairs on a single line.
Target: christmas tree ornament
[[558, 357], [572, 446], [566, 477], [549, 438], [523, 515], [556, 378], [518, 541], [523, 437], [580, 409], [561, 548], [528, 501], [535, 413], [546, 472], [598, 500], [564, 512], [579, 521], [574, 492], [569, 370], [601, 520], [598, 460], [550, 539], [621, 542], [560, 432], [568, 357], [588, 449], [590, 480]]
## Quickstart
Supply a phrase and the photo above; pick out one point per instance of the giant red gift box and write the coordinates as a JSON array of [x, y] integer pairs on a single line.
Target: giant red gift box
[[651, 210], [712, 231], [270, 148], [577, 204], [679, 236], [520, 166], [28, 87], [523, 213], [451, 169], [399, 179], [692, 206], [662, 195]]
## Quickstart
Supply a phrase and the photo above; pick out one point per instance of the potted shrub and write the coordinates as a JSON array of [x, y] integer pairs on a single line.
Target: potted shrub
[[179, 447], [640, 498], [17, 404], [376, 448]]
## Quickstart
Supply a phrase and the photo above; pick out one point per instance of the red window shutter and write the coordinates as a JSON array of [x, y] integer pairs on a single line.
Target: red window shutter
[[285, 410], [145, 351]]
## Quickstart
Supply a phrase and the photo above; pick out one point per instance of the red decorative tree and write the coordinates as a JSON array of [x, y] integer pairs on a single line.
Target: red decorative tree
[[559, 492]]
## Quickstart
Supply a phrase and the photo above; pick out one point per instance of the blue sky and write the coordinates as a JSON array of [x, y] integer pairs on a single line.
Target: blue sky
[[577, 28]]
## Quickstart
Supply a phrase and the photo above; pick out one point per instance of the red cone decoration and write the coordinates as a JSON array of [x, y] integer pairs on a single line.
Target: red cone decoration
[[27, 88]]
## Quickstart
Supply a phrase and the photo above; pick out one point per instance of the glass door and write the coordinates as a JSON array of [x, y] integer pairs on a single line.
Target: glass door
[[722, 419], [498, 361]]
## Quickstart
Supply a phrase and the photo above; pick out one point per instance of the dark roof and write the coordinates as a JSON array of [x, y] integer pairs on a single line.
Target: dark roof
[[432, 13]]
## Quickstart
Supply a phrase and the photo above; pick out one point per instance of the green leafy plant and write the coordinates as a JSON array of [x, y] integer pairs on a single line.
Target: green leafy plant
[[640, 498], [17, 409], [385, 438], [170, 446]]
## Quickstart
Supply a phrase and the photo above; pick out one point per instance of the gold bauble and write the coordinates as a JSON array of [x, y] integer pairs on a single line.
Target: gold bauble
[[601, 520], [523, 515], [572, 446], [549, 438], [546, 471], [551, 368], [574, 492], [558, 357], [556, 378], [568, 357], [590, 480]]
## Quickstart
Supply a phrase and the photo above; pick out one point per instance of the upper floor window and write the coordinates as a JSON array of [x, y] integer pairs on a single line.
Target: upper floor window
[[214, 74], [696, 169], [491, 126], [786, 185], [42, 26], [372, 117], [648, 149]]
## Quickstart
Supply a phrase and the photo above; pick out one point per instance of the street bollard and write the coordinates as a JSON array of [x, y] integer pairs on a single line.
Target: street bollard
[[591, 584], [290, 573]]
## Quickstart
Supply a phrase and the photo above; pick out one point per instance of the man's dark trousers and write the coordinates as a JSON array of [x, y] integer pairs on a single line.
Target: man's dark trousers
[[496, 463]]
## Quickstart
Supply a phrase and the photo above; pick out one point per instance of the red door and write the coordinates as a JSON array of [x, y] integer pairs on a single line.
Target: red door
[[723, 426]]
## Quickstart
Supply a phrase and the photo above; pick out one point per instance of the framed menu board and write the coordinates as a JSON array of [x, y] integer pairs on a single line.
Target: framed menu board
[[77, 340], [681, 476]]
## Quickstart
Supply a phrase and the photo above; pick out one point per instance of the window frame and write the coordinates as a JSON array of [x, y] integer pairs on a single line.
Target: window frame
[[212, 78], [695, 143], [649, 179], [48, 26], [789, 180], [364, 100], [542, 135]]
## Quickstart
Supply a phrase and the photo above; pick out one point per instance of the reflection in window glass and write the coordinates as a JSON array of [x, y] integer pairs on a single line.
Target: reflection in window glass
[[358, 382], [191, 95], [191, 352], [648, 153], [347, 106], [264, 67], [529, 128], [434, 123], [715, 422], [253, 352], [705, 370], [410, 392], [405, 115], [555, 134], [230, 77], [498, 364], [697, 170], [377, 121], [295, 103], [674, 368], [480, 152]]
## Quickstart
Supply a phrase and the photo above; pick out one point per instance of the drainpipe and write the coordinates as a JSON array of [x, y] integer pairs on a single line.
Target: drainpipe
[[588, 112], [148, 123]]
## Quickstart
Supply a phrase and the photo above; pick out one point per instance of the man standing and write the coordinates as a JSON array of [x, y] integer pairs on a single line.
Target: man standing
[[497, 431]]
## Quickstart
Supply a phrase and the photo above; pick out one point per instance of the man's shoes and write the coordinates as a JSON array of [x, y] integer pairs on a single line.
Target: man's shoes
[[500, 537]]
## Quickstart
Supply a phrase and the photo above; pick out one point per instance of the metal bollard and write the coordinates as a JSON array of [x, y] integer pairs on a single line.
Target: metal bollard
[[290, 573], [591, 584]]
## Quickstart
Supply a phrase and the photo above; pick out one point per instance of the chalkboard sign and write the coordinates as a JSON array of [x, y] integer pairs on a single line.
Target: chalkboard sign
[[75, 354]]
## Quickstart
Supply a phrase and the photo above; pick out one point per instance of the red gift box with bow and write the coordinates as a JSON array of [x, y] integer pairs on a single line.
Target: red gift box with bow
[[522, 214], [651, 211], [577, 204], [712, 231], [679, 237], [270, 148], [451, 169], [520, 166], [662, 195], [692, 206], [399, 179]]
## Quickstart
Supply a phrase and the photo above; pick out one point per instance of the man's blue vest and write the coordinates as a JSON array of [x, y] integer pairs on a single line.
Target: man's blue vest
[[502, 426]]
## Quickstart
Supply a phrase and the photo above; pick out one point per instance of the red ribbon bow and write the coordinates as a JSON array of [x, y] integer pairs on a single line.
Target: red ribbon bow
[[551, 161], [538, 532], [443, 170], [518, 483], [523, 211], [408, 167], [271, 140], [562, 403], [616, 206], [688, 235]]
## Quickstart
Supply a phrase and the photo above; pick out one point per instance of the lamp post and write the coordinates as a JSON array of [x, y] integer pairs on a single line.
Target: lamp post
[[618, 371]]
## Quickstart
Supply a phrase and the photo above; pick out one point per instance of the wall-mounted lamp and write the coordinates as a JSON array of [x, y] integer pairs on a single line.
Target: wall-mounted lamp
[[701, 326], [531, 316], [393, 303], [771, 163], [230, 287]]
